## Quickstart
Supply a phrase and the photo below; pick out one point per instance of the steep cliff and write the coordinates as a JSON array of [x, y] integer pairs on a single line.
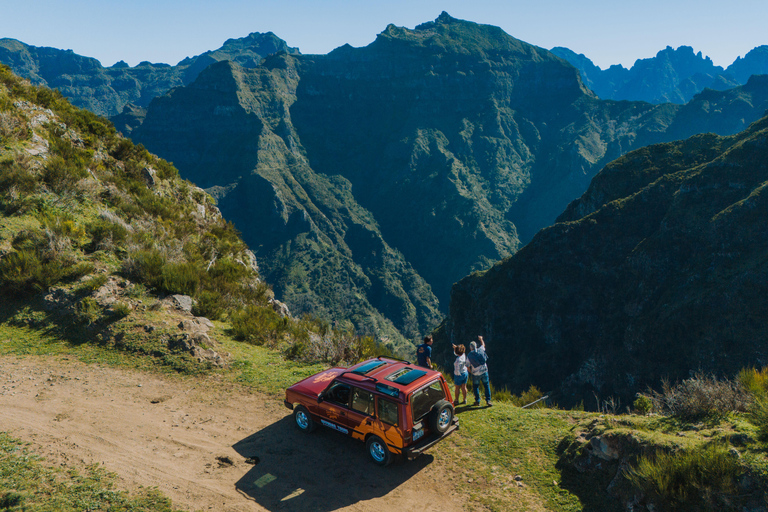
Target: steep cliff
[[657, 271]]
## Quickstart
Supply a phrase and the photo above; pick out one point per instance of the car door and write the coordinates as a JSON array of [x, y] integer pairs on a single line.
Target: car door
[[388, 422], [334, 409], [360, 418]]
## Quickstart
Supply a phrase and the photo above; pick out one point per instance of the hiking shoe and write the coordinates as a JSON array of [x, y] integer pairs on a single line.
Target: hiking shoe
[[476, 404], [489, 404], [463, 402]]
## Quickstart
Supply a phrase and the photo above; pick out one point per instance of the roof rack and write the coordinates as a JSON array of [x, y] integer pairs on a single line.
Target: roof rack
[[393, 358]]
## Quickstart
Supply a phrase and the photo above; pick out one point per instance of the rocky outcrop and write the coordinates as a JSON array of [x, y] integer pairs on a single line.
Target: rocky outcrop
[[658, 270]]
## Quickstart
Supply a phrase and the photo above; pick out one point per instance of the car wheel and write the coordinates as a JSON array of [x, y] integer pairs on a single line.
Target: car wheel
[[378, 451], [441, 416], [303, 420]]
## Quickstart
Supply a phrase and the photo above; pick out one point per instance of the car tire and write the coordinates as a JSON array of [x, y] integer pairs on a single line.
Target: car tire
[[303, 419], [441, 416], [378, 451]]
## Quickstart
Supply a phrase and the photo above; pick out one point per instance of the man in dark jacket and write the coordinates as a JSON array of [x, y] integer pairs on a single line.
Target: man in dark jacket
[[424, 353]]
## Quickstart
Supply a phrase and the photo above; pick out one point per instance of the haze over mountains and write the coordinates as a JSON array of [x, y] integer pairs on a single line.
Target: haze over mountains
[[369, 180]]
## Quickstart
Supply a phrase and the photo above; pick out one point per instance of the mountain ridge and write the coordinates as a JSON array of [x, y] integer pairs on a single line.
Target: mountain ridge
[[673, 75]]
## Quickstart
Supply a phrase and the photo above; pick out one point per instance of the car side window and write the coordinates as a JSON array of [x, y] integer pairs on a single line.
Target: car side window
[[362, 401], [388, 412], [339, 394]]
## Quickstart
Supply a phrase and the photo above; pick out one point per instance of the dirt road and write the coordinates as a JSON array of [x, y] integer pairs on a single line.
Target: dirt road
[[203, 444]]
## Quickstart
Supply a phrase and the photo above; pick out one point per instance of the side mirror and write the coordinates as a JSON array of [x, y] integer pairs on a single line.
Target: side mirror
[[320, 397]]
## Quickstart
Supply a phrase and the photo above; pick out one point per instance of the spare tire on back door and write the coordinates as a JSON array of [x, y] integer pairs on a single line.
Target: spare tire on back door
[[440, 416]]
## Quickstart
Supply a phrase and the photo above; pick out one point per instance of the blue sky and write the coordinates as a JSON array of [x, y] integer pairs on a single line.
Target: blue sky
[[608, 32]]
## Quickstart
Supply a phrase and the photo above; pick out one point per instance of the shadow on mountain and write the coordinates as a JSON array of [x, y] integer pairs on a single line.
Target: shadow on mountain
[[321, 471]]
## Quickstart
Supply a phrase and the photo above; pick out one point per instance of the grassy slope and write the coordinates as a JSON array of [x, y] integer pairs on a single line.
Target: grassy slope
[[494, 446]]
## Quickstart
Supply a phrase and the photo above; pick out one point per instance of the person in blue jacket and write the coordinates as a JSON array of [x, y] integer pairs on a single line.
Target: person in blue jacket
[[424, 353]]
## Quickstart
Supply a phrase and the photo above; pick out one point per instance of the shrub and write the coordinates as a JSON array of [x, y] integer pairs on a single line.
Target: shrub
[[106, 235], [88, 311], [146, 266], [120, 310], [758, 415], [700, 479], [643, 405], [754, 381], [60, 176], [700, 397], [209, 304], [18, 271], [183, 278], [257, 325]]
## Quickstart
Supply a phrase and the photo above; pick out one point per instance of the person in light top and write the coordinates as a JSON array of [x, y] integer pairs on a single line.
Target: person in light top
[[478, 365], [460, 373]]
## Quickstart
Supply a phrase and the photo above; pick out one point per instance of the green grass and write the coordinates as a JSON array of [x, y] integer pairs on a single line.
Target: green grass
[[27, 483], [491, 448]]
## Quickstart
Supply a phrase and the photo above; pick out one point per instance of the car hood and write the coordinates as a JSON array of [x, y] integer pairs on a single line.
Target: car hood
[[316, 383]]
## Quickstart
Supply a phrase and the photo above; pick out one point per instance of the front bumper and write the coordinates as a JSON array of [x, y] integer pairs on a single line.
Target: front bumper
[[429, 441]]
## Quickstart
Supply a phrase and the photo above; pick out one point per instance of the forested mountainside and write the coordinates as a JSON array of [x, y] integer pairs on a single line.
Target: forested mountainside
[[672, 76], [97, 235], [369, 180], [108, 90], [658, 270]]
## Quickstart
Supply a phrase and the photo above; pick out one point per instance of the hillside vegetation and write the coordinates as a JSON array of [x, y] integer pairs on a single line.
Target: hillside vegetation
[[102, 240]]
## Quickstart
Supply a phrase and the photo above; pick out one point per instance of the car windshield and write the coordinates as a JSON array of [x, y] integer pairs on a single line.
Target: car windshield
[[423, 399]]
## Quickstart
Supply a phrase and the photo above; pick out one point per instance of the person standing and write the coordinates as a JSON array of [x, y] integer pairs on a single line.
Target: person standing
[[477, 359], [460, 373], [424, 353]]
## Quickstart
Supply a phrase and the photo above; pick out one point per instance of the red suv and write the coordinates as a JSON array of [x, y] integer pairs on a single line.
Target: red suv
[[395, 407]]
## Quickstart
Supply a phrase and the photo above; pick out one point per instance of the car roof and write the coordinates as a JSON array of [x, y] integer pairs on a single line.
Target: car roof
[[383, 374]]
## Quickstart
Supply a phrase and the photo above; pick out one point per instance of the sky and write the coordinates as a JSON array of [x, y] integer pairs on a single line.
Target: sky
[[606, 31]]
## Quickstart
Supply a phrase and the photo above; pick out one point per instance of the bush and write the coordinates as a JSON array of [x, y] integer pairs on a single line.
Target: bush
[[700, 397], [61, 176], [643, 405], [209, 304], [106, 235], [88, 311], [754, 381], [146, 267], [257, 325], [758, 416], [183, 278], [120, 310], [700, 479]]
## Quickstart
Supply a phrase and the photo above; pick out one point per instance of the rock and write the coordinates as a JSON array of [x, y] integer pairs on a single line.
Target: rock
[[150, 176], [280, 308], [603, 448], [197, 324], [182, 302]]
